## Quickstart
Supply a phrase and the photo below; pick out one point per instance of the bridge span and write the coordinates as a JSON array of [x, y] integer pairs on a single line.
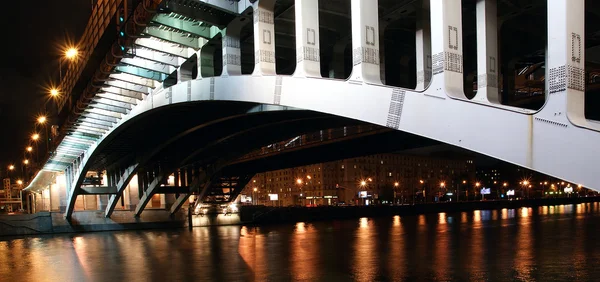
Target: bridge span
[[190, 86]]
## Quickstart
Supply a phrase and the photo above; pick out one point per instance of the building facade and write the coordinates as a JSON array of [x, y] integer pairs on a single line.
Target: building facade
[[374, 179]]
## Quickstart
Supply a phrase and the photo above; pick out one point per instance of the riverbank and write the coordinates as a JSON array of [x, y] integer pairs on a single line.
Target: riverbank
[[93, 221], [268, 215]]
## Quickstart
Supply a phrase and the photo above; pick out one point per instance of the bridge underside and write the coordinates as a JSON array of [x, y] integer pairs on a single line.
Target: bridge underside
[[199, 87]]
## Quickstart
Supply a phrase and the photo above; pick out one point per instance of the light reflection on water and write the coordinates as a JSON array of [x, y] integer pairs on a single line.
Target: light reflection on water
[[557, 243]]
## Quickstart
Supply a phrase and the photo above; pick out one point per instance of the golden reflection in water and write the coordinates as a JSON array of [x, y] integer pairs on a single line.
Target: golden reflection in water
[[524, 260], [422, 220], [463, 217], [579, 208], [81, 252], [476, 247], [477, 216], [504, 213], [252, 250], [133, 269], [365, 251], [525, 212], [397, 258], [494, 215], [442, 218], [304, 253], [440, 249]]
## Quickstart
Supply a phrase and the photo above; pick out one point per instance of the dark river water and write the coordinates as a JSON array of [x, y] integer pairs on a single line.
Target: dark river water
[[558, 243]]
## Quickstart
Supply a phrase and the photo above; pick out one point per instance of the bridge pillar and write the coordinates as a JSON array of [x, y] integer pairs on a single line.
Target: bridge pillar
[[487, 52], [566, 61], [232, 54], [264, 38], [307, 39], [365, 41], [446, 46], [423, 46]]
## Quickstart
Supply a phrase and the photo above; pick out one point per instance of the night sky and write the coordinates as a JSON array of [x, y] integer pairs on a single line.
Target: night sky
[[33, 32]]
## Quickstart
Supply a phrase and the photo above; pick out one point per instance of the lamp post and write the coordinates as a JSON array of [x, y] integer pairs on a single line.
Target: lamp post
[[477, 184], [396, 185], [42, 120], [70, 54], [442, 185]]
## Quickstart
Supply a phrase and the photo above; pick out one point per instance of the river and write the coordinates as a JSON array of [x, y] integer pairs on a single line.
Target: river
[[556, 243]]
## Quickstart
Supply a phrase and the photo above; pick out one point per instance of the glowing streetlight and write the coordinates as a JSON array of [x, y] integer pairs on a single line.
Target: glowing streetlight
[[20, 182], [370, 179], [29, 149], [308, 176], [11, 167], [579, 186], [396, 184], [71, 53], [41, 119], [299, 181], [35, 137], [505, 184], [477, 184], [442, 184], [255, 189], [464, 182], [421, 181], [26, 161], [54, 92], [363, 183]]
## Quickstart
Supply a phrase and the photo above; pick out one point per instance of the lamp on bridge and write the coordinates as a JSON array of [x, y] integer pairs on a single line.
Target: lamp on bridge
[[70, 53], [42, 120]]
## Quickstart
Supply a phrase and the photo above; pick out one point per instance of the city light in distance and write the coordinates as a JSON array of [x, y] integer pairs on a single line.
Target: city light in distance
[[20, 182], [26, 161], [54, 92], [29, 149], [11, 167], [35, 136], [41, 119]]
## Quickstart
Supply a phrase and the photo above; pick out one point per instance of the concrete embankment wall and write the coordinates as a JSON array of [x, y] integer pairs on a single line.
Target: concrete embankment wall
[[269, 215]]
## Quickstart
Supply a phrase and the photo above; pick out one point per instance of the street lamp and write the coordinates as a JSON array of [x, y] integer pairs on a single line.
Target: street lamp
[[42, 121], [71, 53], [20, 182], [54, 92], [12, 167], [26, 161], [29, 149], [35, 137]]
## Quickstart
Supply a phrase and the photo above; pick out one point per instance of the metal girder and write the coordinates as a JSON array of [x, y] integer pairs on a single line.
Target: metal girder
[[117, 98], [123, 93], [175, 37], [143, 73], [58, 162], [186, 25], [79, 139], [98, 105], [126, 86], [157, 57], [165, 47], [84, 136], [98, 118], [71, 144], [125, 77], [103, 112], [96, 122], [93, 125], [122, 182], [80, 128], [87, 190], [148, 65], [112, 102]]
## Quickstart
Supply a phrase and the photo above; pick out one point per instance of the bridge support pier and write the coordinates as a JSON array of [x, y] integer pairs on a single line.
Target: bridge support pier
[[423, 47], [487, 52], [307, 39], [121, 183], [365, 41], [232, 54], [264, 38]]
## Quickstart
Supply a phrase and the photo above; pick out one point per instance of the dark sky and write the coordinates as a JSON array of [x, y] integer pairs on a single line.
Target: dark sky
[[32, 34]]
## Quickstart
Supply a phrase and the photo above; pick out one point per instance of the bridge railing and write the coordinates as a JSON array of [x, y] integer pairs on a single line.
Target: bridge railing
[[313, 138]]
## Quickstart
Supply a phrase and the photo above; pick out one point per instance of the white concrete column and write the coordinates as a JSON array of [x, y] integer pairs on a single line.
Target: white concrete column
[[566, 61], [446, 45], [423, 46], [264, 38], [365, 41], [487, 53], [232, 53], [308, 56]]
